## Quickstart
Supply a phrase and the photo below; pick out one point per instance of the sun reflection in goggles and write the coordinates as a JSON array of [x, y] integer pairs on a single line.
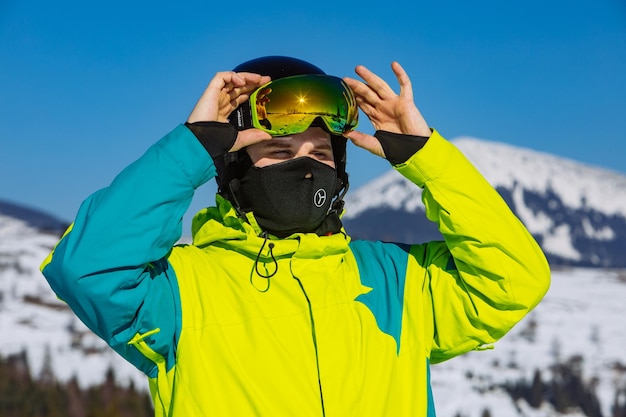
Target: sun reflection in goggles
[[290, 105]]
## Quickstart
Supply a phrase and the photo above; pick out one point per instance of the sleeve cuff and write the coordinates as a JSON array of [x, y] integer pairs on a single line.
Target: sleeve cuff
[[216, 137], [399, 147]]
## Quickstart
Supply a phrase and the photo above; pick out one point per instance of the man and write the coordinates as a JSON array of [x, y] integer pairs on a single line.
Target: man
[[273, 310]]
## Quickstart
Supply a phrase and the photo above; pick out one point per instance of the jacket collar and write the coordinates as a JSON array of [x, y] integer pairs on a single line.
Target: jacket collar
[[222, 224]]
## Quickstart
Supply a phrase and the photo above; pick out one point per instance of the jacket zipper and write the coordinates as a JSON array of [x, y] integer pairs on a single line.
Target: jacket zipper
[[314, 337]]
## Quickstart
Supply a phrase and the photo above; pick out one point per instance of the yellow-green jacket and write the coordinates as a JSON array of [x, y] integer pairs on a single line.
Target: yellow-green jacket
[[343, 328]]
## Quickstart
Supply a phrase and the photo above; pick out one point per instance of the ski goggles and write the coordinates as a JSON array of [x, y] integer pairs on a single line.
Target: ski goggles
[[290, 105]]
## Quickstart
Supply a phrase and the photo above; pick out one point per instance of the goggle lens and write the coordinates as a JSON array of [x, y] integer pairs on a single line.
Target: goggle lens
[[290, 105]]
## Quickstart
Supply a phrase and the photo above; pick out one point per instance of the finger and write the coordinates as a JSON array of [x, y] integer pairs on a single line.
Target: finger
[[367, 142], [377, 84], [238, 100], [406, 88], [248, 137], [246, 83], [224, 79], [254, 79], [241, 81], [235, 93], [367, 108], [241, 94], [363, 93]]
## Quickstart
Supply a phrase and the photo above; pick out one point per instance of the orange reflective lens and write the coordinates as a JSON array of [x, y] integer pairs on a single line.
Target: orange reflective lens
[[290, 105]]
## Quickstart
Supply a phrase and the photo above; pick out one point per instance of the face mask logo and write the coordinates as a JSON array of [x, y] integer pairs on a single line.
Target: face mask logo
[[319, 198]]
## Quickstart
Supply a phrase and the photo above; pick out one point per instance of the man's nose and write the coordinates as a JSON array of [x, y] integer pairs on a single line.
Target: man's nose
[[303, 150]]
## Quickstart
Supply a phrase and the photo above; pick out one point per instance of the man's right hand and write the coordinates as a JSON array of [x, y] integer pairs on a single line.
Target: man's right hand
[[226, 91]]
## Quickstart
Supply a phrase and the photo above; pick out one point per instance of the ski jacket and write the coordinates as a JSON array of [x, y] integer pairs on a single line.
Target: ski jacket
[[239, 323]]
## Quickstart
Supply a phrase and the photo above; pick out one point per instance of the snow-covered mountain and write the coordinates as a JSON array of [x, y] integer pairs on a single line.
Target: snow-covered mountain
[[576, 212]]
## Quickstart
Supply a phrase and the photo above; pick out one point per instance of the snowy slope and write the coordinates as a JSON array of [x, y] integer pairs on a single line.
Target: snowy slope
[[32, 318], [582, 314]]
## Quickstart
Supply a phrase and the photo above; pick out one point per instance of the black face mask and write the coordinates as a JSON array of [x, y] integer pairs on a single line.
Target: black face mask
[[289, 197]]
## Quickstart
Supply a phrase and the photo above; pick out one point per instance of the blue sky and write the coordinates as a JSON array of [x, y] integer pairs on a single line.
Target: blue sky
[[86, 87]]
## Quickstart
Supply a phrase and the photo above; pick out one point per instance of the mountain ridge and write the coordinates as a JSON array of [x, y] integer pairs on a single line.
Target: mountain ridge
[[34, 217], [577, 212]]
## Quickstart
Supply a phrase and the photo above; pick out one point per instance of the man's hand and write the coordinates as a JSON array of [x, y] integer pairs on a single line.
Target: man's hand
[[226, 91], [386, 109]]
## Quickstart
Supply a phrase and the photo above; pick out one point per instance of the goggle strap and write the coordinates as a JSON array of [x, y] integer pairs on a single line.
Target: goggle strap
[[234, 186], [243, 117]]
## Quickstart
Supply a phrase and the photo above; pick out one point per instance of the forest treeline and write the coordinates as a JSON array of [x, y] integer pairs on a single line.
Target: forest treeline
[[567, 391], [564, 390], [25, 395]]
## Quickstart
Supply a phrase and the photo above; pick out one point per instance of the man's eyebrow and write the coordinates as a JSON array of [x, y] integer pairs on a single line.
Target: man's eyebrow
[[276, 144], [323, 144]]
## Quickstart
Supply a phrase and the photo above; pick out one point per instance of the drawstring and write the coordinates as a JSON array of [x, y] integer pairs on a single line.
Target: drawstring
[[256, 263]]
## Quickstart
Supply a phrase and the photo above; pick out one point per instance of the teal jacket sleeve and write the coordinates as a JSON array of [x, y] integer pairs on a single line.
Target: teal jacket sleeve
[[110, 267]]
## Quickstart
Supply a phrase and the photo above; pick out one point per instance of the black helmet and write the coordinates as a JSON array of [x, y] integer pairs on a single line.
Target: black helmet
[[235, 164]]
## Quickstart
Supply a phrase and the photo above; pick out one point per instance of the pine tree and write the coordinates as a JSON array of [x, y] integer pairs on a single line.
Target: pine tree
[[618, 408], [46, 375], [536, 394]]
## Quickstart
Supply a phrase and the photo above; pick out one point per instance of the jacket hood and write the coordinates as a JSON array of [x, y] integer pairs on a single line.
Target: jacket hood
[[222, 224]]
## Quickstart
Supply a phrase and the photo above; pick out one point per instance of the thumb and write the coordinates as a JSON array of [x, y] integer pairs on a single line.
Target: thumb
[[367, 142], [248, 137]]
